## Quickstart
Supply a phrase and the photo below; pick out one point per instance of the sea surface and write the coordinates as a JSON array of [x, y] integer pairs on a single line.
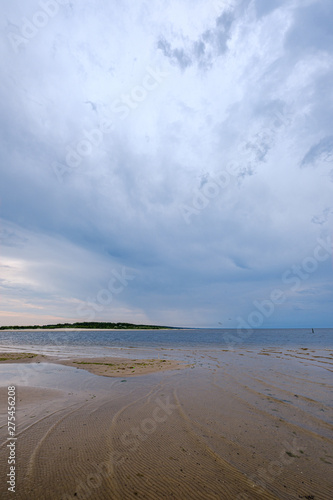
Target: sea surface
[[84, 342]]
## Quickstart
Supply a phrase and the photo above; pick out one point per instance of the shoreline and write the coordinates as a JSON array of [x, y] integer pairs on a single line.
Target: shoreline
[[81, 329]]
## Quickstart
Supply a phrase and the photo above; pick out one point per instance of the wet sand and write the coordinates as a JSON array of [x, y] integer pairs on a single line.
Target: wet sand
[[106, 366], [243, 424]]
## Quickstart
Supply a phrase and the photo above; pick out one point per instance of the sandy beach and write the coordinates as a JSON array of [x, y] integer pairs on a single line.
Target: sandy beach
[[106, 366], [224, 425]]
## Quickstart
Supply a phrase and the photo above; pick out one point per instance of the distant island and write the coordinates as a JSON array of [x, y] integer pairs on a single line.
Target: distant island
[[92, 325]]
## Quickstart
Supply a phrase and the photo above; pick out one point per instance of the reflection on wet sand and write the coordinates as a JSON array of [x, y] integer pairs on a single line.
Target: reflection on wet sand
[[242, 424]]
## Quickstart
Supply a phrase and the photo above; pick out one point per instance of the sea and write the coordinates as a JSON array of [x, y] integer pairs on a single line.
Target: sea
[[294, 352], [109, 342]]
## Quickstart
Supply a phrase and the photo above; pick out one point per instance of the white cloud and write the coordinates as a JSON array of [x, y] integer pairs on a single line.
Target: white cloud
[[191, 90]]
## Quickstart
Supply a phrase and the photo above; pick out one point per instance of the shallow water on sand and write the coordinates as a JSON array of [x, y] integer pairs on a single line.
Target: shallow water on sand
[[248, 423]]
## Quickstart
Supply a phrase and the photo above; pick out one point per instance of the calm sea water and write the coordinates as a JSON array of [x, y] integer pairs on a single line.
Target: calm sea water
[[194, 338]]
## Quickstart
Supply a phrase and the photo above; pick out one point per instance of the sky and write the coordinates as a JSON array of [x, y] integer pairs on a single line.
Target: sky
[[167, 162]]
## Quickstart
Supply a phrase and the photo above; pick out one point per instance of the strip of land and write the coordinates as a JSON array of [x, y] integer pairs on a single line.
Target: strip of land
[[94, 325]]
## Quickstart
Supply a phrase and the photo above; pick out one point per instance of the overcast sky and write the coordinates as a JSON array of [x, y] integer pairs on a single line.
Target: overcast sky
[[167, 162]]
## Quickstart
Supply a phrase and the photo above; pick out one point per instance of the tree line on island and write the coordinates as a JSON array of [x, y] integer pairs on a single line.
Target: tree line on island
[[96, 325]]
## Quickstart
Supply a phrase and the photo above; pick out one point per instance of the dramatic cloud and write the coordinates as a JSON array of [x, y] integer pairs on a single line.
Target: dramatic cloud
[[167, 162]]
